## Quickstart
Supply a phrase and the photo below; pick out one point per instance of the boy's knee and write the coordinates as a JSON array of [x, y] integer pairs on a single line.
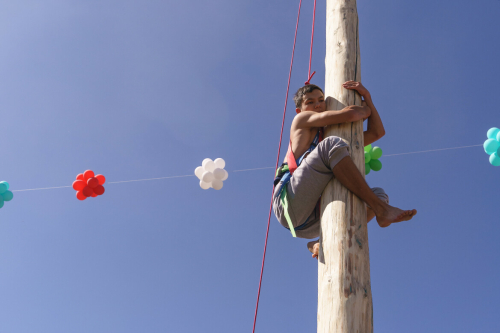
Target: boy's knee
[[333, 142], [332, 149]]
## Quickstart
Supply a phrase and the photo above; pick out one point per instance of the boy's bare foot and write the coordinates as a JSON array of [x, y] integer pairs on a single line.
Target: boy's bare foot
[[393, 215], [314, 248]]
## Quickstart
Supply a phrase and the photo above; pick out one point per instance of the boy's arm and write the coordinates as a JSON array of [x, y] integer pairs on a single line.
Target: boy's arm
[[375, 129], [309, 119]]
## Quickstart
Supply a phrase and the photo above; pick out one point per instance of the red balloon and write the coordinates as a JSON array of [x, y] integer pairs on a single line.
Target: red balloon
[[79, 176], [93, 195], [80, 196], [101, 179], [88, 174], [78, 185], [87, 191], [93, 182], [99, 190]]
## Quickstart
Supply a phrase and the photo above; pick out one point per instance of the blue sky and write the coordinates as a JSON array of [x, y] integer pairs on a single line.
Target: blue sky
[[149, 89]]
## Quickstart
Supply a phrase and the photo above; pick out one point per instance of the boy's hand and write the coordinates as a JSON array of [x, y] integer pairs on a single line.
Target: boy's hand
[[363, 103], [314, 248], [353, 85]]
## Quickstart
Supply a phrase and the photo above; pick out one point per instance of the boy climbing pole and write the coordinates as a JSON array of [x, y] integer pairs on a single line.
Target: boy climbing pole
[[311, 162]]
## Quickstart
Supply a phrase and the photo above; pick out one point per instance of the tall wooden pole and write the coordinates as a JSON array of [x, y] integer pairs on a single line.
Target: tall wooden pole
[[344, 291]]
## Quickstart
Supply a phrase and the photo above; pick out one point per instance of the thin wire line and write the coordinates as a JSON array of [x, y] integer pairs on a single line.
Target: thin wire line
[[427, 151], [38, 189], [135, 180], [244, 170], [253, 169], [147, 179]]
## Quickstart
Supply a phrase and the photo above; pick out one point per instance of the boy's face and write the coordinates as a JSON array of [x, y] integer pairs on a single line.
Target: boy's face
[[313, 101]]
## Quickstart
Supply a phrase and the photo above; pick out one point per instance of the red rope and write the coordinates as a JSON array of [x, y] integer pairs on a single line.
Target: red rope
[[309, 75], [277, 164], [281, 137]]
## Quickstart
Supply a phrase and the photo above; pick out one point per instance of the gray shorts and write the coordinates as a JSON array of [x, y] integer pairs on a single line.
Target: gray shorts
[[307, 184]]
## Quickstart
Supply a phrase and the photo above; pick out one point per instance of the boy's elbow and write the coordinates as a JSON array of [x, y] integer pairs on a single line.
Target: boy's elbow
[[380, 133]]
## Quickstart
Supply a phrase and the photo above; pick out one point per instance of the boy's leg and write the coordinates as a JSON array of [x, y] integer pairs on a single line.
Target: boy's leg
[[310, 179], [370, 214], [312, 176], [348, 175]]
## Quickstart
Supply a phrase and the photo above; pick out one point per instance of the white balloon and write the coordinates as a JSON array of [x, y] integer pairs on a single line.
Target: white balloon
[[209, 165], [207, 177], [199, 172], [219, 173], [225, 175], [206, 160], [217, 184], [204, 185], [220, 163]]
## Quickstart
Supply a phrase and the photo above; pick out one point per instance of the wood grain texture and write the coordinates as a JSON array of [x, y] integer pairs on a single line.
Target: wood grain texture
[[344, 291]]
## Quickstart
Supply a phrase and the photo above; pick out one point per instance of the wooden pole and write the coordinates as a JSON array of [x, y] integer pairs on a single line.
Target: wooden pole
[[344, 291]]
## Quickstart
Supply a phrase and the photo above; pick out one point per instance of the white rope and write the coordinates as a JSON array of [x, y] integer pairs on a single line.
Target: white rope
[[427, 151], [253, 169], [130, 181], [244, 170], [144, 180], [38, 189]]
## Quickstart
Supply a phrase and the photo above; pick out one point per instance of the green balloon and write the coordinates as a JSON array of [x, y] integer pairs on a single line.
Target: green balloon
[[367, 168], [376, 165], [8, 196], [491, 146], [495, 159], [6, 184], [376, 153], [368, 157], [492, 133], [368, 148], [3, 188]]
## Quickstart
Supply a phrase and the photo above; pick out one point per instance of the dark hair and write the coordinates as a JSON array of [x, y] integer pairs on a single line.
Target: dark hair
[[299, 95]]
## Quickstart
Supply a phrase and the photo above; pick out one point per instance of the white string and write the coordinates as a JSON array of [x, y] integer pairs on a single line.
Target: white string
[[427, 151], [143, 180], [244, 170], [130, 181], [253, 169], [38, 189]]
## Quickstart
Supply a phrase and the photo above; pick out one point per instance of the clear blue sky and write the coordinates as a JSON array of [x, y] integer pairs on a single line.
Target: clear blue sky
[[143, 89]]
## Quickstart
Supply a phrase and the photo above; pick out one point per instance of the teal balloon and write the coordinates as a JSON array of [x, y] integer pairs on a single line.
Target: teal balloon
[[495, 159], [375, 165], [493, 132], [368, 157], [6, 184], [376, 153], [498, 136], [8, 196], [1, 204], [367, 168], [491, 146], [368, 148], [3, 188]]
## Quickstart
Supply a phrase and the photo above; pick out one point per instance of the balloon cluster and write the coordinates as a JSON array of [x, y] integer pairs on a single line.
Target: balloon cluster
[[492, 146], [5, 194], [372, 154], [87, 184], [211, 173]]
